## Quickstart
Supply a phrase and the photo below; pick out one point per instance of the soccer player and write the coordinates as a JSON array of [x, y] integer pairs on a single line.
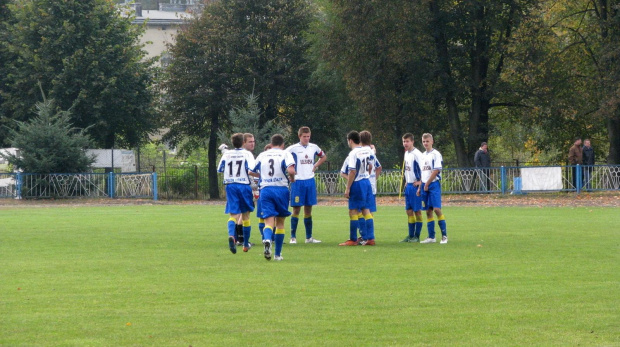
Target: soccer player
[[430, 189], [303, 190], [366, 141], [259, 210], [359, 191], [248, 144], [413, 179], [235, 165], [272, 167]]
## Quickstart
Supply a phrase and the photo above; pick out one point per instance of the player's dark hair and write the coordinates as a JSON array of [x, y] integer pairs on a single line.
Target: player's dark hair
[[408, 136], [303, 130], [577, 139], [237, 140], [483, 144], [277, 140], [267, 147], [354, 136], [366, 138]]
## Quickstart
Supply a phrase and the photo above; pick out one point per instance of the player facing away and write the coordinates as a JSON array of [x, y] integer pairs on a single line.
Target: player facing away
[[303, 190], [259, 209], [272, 167], [235, 164], [366, 141], [359, 191], [413, 179], [430, 189]]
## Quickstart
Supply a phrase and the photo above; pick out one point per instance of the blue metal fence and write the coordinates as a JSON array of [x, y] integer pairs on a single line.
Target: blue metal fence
[[80, 185], [496, 180]]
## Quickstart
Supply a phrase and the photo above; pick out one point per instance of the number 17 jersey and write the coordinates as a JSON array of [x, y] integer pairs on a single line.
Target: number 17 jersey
[[272, 165], [235, 165]]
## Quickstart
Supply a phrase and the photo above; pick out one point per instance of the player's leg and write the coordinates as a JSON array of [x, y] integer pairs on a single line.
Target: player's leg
[[353, 225], [370, 227], [246, 231], [435, 192], [418, 225], [294, 223], [279, 238], [309, 200], [267, 235], [232, 225], [410, 226], [430, 222], [361, 226]]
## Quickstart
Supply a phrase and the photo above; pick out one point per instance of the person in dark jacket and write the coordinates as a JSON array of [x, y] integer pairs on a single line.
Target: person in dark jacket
[[575, 157], [588, 161], [482, 159]]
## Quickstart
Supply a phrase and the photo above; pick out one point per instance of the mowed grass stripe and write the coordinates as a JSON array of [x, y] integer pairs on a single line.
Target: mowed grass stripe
[[163, 275]]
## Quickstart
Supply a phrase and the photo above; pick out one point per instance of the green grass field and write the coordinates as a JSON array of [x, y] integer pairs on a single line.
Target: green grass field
[[163, 276]]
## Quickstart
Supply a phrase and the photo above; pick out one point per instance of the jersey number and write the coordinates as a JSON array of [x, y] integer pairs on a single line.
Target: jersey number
[[272, 170], [230, 168]]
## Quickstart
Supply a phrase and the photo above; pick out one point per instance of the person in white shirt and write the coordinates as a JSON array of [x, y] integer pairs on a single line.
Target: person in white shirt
[[359, 190], [275, 168], [413, 179], [303, 190], [235, 165], [430, 189]]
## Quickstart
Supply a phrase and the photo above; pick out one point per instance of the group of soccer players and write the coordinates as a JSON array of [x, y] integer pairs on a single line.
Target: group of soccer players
[[278, 166]]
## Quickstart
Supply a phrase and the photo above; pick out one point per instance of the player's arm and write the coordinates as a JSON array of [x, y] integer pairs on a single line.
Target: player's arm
[[434, 174], [291, 173], [319, 162], [378, 171], [350, 180]]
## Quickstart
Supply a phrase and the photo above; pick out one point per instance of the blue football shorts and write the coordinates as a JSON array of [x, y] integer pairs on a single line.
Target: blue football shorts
[[412, 200], [303, 193], [274, 202], [239, 198], [360, 196], [432, 198]]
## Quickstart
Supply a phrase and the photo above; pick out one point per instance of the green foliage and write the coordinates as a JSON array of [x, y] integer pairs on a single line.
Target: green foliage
[[49, 143], [87, 54], [246, 119]]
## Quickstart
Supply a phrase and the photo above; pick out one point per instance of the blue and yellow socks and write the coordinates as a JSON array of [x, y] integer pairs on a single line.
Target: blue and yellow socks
[[418, 226], [353, 224], [261, 226], [411, 224], [232, 224], [246, 233], [430, 225], [268, 233], [279, 239], [370, 227], [361, 225], [308, 225], [294, 223], [441, 221]]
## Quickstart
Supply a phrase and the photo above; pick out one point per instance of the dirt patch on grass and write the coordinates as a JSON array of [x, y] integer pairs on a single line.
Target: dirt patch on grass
[[597, 199]]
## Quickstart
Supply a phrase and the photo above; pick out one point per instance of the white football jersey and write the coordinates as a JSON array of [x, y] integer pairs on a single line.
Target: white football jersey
[[235, 164], [304, 159], [431, 161], [272, 165], [413, 165], [358, 160], [373, 176]]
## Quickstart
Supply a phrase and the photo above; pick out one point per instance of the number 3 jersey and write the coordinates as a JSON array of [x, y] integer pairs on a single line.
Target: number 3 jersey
[[272, 166], [235, 165]]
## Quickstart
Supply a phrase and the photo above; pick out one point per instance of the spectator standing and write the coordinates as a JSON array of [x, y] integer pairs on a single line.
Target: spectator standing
[[588, 162], [482, 160], [575, 157]]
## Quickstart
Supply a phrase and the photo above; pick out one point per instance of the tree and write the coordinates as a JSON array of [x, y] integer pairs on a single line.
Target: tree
[[87, 54], [232, 47], [435, 65], [49, 143], [246, 119]]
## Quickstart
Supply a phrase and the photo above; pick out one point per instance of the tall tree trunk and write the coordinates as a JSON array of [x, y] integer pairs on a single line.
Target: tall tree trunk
[[613, 130], [214, 191], [448, 84]]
